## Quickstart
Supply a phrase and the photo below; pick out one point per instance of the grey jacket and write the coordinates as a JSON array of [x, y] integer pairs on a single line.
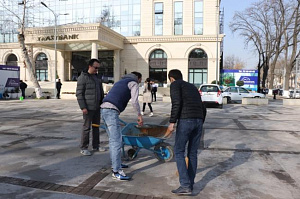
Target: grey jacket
[[86, 92]]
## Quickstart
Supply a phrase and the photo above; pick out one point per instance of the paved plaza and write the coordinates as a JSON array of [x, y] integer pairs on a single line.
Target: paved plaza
[[246, 152]]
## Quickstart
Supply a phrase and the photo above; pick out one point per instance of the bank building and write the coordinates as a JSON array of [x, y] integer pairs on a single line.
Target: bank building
[[148, 36]]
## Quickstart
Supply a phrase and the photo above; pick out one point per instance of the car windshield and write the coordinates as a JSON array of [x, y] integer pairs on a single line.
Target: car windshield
[[209, 89]]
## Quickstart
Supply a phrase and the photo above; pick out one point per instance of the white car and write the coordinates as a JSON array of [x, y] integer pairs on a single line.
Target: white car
[[211, 94], [237, 93]]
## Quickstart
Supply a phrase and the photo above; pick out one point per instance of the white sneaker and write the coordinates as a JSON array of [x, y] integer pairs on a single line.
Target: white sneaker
[[151, 114], [85, 152], [101, 149], [142, 113]]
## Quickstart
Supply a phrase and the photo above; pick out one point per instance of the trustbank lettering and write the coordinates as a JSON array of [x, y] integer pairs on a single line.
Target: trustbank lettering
[[58, 37]]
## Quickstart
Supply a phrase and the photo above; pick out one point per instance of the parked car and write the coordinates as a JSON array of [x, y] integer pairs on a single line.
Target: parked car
[[291, 94], [237, 93], [211, 94]]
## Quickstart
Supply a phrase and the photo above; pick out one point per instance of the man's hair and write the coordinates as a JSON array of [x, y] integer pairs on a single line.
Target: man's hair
[[175, 73], [92, 61], [139, 75]]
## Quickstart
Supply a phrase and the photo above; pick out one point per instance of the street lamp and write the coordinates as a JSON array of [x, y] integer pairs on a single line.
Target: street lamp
[[55, 41], [217, 47]]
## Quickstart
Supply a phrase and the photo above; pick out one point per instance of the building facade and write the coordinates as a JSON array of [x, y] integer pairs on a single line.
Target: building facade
[[149, 36]]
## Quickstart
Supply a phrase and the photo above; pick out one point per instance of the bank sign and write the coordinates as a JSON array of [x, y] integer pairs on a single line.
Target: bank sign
[[249, 77], [9, 78]]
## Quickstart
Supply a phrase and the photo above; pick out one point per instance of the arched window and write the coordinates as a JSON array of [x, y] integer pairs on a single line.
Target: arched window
[[198, 67], [12, 60], [158, 66], [41, 67]]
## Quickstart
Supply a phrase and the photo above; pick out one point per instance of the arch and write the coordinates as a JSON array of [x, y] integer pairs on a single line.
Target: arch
[[198, 46], [157, 47], [7, 54], [158, 63], [41, 66], [197, 66], [12, 60]]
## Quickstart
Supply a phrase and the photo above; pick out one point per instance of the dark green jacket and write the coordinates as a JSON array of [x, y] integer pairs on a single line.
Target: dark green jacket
[[86, 92]]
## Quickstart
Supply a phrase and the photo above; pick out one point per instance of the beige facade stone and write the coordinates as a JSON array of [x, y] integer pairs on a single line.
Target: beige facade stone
[[130, 53]]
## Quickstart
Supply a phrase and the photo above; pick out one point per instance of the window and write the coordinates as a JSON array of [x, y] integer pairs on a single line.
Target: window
[[178, 18], [198, 17], [233, 90], [158, 21], [158, 67], [197, 76], [12, 60], [41, 67], [242, 90]]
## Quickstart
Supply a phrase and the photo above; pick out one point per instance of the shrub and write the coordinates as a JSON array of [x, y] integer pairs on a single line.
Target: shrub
[[240, 83]]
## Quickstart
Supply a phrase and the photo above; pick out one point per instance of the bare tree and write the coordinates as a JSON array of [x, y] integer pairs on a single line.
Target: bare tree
[[233, 62], [265, 25], [24, 50]]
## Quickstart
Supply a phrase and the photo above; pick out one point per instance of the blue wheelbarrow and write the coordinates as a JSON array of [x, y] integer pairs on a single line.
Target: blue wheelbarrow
[[149, 137]]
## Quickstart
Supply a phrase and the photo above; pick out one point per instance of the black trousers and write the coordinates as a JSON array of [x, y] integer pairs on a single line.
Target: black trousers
[[93, 117], [58, 93], [153, 96], [144, 106], [23, 93]]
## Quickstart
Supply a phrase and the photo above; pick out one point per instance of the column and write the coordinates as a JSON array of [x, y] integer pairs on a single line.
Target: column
[[117, 66], [94, 54]]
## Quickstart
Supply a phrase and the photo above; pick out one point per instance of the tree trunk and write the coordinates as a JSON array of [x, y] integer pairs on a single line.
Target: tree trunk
[[287, 79], [29, 66]]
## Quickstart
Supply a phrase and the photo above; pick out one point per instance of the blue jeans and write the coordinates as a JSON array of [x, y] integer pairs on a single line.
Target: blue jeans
[[110, 117], [187, 131]]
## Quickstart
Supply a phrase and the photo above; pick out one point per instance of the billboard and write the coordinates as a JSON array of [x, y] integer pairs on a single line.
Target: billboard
[[9, 78], [230, 77]]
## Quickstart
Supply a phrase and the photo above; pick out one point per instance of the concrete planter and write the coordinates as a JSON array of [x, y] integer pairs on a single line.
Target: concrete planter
[[291, 102], [255, 101], [166, 99]]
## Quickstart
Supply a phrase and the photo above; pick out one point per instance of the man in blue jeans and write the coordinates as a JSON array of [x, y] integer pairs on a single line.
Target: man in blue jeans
[[113, 104], [189, 113]]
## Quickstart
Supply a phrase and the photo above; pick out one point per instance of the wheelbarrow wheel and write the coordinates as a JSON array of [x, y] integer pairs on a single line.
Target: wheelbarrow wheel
[[164, 152], [131, 153]]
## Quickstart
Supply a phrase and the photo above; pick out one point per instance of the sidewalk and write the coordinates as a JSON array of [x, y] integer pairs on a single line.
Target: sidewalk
[[246, 152]]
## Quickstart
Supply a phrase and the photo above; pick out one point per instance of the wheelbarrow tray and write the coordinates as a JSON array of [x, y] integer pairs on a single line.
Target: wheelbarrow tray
[[145, 136]]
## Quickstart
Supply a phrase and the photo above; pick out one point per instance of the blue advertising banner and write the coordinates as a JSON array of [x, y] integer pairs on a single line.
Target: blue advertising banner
[[230, 77], [9, 79]]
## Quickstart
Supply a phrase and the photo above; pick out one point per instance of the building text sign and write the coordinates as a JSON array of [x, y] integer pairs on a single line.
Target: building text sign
[[59, 37]]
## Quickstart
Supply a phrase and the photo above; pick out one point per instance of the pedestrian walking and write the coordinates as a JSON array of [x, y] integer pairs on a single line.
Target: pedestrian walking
[[89, 93], [189, 113], [115, 103], [23, 86], [58, 87], [147, 97]]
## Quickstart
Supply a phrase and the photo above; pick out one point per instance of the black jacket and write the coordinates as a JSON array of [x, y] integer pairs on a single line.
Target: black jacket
[[86, 92], [186, 102]]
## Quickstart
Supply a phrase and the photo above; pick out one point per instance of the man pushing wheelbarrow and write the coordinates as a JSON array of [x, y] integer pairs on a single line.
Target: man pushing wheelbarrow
[[113, 104]]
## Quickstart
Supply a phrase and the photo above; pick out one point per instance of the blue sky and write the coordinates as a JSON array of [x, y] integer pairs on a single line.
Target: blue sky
[[233, 43]]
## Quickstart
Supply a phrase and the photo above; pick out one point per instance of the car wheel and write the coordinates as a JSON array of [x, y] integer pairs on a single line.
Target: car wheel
[[228, 99], [256, 97]]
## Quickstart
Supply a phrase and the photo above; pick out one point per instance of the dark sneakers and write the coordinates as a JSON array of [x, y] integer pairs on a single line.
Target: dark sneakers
[[182, 191]]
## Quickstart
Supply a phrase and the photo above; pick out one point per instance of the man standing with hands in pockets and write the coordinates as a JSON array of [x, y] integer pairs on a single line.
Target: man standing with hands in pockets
[[89, 93], [189, 113]]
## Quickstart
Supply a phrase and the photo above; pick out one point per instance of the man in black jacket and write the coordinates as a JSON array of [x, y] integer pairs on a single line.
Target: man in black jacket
[[89, 93], [189, 113], [23, 86]]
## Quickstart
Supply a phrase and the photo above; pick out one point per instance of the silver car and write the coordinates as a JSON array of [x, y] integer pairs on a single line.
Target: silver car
[[237, 93]]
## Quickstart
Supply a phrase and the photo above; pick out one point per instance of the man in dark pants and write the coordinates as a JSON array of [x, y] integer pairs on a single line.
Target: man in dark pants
[[89, 93], [189, 112], [23, 86], [58, 87]]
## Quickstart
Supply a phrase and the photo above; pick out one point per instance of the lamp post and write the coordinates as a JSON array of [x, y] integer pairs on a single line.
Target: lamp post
[[55, 42], [217, 47]]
